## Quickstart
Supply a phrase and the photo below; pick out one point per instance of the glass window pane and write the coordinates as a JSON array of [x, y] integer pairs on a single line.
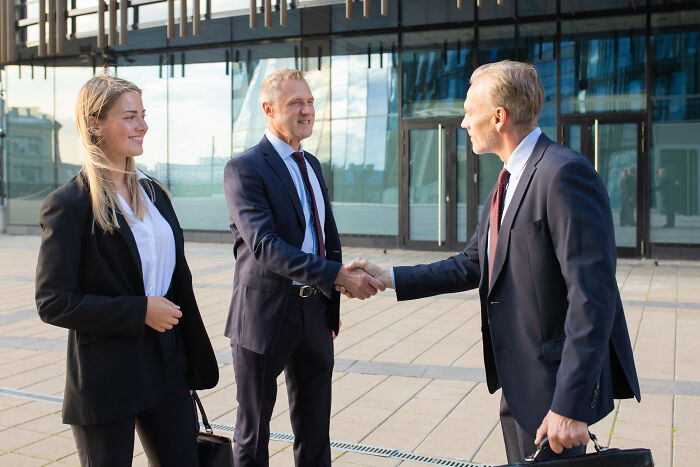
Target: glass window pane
[[603, 65], [364, 141], [31, 133], [496, 43], [198, 153], [436, 67], [675, 135]]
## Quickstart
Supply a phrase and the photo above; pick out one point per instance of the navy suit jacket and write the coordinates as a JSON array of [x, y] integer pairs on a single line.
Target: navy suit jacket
[[554, 331], [268, 227], [90, 281]]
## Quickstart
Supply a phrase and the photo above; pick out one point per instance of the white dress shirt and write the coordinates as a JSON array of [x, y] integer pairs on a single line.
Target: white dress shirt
[[156, 245], [285, 151]]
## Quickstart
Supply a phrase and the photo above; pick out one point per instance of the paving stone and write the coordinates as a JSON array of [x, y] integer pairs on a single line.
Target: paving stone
[[51, 448]]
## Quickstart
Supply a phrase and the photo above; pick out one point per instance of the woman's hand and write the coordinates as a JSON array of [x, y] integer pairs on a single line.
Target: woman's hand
[[162, 314]]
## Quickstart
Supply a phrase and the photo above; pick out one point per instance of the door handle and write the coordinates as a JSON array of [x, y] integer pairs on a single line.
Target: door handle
[[595, 142], [441, 195]]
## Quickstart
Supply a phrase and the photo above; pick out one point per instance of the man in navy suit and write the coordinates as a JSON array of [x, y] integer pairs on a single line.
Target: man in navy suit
[[284, 310], [543, 257]]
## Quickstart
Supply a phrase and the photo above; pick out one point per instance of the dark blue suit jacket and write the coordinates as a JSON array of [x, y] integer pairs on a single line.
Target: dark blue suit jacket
[[554, 331], [268, 226], [91, 282]]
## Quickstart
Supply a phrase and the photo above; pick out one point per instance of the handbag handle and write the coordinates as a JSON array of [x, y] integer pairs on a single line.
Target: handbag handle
[[544, 444], [199, 405]]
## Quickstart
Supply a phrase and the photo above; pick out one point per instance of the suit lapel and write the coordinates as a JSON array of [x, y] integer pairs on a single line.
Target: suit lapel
[[125, 231], [516, 200], [280, 168]]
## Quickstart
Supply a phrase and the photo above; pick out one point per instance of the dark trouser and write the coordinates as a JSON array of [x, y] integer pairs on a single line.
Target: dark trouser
[[167, 430], [304, 350], [520, 444]]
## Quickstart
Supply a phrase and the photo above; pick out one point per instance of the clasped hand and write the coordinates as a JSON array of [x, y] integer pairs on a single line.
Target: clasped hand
[[162, 314], [362, 279]]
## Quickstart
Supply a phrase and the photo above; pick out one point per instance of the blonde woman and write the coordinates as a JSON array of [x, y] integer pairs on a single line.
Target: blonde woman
[[112, 270]]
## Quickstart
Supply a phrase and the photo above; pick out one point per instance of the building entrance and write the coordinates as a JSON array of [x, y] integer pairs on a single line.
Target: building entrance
[[616, 146], [435, 194]]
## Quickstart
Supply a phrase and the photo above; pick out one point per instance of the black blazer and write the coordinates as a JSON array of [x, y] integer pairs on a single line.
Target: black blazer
[[268, 227], [554, 331], [90, 282]]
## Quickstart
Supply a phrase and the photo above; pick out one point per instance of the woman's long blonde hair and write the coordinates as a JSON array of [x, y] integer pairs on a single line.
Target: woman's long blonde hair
[[95, 99]]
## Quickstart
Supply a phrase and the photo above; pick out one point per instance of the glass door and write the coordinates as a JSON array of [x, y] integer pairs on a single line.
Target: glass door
[[614, 144], [433, 212]]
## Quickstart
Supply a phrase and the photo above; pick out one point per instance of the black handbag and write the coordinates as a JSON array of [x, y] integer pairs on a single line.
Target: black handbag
[[603, 457], [214, 450]]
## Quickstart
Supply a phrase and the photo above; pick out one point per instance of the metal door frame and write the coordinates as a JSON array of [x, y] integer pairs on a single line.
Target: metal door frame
[[452, 126], [587, 122]]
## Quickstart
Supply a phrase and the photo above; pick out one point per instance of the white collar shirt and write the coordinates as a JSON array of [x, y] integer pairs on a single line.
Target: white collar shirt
[[155, 242]]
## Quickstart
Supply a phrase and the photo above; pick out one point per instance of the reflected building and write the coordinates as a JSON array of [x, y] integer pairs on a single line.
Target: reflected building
[[621, 83]]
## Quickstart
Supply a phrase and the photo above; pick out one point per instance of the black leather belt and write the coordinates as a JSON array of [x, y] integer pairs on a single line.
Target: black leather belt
[[303, 291]]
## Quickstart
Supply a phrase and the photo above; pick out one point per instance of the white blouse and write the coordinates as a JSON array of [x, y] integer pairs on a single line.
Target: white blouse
[[156, 245]]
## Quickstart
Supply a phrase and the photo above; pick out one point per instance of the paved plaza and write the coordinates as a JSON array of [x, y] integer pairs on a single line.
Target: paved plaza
[[408, 376]]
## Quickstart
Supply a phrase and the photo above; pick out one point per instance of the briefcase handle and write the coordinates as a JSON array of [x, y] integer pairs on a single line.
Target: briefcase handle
[[544, 444], [205, 420]]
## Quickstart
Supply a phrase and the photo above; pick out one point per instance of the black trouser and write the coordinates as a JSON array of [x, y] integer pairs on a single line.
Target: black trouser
[[520, 444], [167, 431], [304, 350]]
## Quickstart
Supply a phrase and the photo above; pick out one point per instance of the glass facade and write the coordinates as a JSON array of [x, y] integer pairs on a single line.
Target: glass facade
[[622, 86], [675, 132]]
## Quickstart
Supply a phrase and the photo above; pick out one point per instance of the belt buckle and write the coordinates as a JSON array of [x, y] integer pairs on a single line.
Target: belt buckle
[[306, 291]]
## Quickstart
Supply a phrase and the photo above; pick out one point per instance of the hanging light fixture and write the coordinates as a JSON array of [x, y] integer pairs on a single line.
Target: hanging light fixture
[[42, 28], [123, 21], [253, 15]]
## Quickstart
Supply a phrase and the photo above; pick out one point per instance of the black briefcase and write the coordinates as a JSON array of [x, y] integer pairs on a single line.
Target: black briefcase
[[603, 457], [214, 450]]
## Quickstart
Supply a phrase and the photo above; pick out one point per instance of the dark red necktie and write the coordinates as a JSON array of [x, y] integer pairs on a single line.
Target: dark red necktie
[[301, 162], [495, 214]]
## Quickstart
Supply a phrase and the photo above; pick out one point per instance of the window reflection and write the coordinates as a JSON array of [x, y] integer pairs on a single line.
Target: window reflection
[[675, 136], [436, 68], [603, 65], [199, 131], [364, 141], [31, 141]]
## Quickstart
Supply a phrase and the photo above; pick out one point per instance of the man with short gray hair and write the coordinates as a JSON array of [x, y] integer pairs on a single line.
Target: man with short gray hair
[[284, 311], [543, 257]]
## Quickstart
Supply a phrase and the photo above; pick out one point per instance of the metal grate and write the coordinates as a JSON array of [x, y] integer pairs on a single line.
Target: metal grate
[[365, 449], [289, 437]]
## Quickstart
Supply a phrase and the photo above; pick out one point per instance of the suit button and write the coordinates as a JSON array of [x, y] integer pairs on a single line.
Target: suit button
[[593, 405]]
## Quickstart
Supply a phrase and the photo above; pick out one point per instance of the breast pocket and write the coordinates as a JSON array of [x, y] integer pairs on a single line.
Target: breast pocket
[[527, 230]]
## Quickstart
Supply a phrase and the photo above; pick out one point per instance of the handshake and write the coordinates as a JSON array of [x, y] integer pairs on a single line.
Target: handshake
[[362, 279]]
